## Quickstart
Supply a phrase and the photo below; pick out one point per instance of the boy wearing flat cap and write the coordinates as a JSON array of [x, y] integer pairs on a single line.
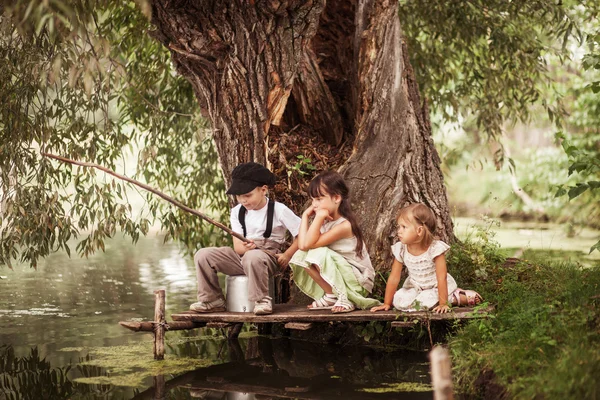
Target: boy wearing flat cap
[[262, 221]]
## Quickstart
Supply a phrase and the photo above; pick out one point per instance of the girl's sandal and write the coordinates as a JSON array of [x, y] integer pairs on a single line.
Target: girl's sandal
[[345, 305], [324, 303], [473, 298]]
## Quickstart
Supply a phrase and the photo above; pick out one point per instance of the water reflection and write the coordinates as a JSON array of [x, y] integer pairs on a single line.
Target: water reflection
[[260, 368], [33, 377], [255, 368]]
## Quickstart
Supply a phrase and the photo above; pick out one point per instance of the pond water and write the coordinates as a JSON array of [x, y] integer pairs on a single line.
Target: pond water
[[60, 338], [543, 241]]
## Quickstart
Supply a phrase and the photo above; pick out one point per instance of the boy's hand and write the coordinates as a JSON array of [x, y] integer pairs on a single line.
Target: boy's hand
[[441, 309], [283, 260], [384, 307], [249, 245], [322, 213]]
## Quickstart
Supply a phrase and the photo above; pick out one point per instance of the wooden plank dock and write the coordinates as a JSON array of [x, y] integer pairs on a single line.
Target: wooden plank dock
[[293, 316], [285, 313]]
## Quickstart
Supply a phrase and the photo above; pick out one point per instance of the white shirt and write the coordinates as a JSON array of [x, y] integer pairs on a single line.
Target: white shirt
[[256, 222]]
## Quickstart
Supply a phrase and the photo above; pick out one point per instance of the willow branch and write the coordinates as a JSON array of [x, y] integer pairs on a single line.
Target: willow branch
[[150, 189]]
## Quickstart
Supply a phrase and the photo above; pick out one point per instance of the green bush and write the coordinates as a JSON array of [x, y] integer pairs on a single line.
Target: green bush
[[543, 341]]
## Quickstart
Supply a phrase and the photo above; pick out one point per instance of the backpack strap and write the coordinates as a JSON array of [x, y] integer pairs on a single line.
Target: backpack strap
[[270, 215], [242, 218]]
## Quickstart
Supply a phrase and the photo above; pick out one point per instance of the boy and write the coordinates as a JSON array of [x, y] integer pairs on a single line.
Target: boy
[[264, 223]]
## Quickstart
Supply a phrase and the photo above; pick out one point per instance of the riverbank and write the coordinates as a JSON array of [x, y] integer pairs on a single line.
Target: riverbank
[[544, 339]]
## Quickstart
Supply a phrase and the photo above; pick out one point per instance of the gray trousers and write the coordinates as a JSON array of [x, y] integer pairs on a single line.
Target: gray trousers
[[255, 264]]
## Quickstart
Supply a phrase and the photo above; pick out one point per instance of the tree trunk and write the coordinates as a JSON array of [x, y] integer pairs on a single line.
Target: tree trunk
[[343, 72], [241, 57], [394, 161]]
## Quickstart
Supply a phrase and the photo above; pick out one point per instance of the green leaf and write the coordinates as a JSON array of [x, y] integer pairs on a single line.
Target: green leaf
[[577, 190], [513, 167], [595, 247], [594, 184], [560, 192], [577, 166]]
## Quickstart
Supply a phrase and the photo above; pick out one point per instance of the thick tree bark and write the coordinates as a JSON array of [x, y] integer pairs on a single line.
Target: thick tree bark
[[394, 161], [314, 101], [241, 57], [341, 69]]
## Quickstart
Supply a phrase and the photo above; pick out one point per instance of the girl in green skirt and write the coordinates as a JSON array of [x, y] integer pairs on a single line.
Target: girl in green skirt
[[332, 265]]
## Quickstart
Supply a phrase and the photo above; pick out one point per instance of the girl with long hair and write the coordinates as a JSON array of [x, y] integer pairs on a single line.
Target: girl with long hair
[[332, 265]]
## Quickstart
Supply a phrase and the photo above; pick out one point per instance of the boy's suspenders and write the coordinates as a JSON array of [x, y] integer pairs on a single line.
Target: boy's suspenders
[[270, 214]]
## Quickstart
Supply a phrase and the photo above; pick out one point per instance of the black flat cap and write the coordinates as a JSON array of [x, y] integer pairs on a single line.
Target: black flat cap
[[245, 177]]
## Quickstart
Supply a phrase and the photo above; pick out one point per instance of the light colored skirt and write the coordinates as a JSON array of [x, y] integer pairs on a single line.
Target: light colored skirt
[[335, 270], [412, 298]]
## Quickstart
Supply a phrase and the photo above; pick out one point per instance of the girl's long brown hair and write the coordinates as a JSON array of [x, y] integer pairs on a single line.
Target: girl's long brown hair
[[332, 183]]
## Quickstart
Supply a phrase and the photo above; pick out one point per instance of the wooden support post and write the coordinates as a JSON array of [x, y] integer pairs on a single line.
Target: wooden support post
[[441, 373], [159, 324], [234, 330], [160, 391], [264, 329]]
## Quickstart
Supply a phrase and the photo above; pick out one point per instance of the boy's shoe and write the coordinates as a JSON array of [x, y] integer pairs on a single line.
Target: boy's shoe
[[263, 306], [209, 306]]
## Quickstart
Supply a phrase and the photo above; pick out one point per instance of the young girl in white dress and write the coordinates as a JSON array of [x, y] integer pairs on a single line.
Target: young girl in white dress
[[428, 284]]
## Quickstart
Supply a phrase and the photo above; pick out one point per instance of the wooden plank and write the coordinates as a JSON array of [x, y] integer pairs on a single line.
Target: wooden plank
[[402, 324], [300, 326], [283, 313], [148, 326]]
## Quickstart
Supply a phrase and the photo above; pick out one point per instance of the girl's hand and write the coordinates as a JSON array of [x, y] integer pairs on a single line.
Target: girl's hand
[[442, 309], [384, 307], [309, 211], [322, 213], [283, 260]]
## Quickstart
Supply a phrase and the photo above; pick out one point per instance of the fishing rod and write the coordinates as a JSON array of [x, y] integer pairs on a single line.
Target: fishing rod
[[150, 189]]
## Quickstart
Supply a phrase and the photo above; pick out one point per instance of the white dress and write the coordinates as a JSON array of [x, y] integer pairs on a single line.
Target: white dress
[[350, 276], [346, 247], [420, 288]]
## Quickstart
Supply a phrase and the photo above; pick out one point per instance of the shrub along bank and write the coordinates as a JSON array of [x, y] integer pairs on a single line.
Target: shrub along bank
[[544, 338]]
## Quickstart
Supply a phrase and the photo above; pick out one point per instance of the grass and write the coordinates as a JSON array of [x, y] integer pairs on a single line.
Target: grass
[[544, 340]]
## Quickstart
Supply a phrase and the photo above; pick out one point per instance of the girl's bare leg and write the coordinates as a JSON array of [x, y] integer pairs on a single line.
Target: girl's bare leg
[[313, 272]]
